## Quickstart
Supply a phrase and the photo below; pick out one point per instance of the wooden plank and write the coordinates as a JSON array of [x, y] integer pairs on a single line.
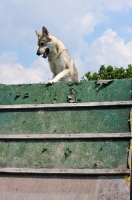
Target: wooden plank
[[66, 105], [65, 171], [66, 136]]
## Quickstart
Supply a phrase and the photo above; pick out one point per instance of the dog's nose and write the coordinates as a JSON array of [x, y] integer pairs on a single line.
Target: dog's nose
[[38, 53]]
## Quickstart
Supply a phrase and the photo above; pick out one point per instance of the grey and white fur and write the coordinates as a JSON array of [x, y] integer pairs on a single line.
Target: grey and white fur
[[60, 62]]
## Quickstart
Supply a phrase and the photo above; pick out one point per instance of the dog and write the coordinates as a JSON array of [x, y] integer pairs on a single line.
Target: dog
[[61, 65]]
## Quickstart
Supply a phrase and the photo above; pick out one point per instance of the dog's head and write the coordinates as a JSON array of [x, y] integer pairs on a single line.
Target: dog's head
[[43, 42]]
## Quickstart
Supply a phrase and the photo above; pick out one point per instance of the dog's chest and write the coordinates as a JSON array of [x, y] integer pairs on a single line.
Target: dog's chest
[[57, 66]]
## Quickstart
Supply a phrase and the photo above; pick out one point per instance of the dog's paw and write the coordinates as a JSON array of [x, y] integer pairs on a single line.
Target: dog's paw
[[50, 82]]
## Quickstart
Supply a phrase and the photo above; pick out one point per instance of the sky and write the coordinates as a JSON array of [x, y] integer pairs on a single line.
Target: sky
[[97, 32]]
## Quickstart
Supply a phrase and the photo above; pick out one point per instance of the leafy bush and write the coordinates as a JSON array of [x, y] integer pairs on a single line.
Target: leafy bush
[[109, 72]]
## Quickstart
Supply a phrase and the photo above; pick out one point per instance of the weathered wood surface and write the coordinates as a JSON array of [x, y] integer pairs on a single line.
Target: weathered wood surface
[[64, 153], [65, 171], [85, 91], [43, 132], [66, 105], [66, 136], [65, 121]]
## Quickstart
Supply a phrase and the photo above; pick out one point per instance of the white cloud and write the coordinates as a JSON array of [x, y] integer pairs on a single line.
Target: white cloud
[[12, 72], [81, 66], [23, 17], [109, 49], [41, 68], [85, 24]]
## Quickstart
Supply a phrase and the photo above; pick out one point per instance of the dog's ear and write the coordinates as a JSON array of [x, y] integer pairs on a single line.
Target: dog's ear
[[38, 34], [45, 31]]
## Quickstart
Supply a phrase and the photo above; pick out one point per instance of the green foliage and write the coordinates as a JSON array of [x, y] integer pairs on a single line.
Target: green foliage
[[109, 72]]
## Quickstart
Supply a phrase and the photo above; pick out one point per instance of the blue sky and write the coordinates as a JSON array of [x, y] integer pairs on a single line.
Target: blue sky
[[95, 32]]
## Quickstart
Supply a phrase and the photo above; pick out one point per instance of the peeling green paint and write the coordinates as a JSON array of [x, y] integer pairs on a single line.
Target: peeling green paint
[[91, 120], [119, 90], [65, 153]]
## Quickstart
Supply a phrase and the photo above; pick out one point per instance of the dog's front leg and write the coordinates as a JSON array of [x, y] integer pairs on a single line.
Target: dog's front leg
[[64, 73]]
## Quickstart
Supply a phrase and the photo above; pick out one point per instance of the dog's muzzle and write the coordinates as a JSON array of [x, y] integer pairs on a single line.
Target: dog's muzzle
[[45, 54], [38, 54]]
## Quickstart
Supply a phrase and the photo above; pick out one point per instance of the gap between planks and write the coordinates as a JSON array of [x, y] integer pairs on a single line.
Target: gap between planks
[[66, 136], [66, 105], [65, 171]]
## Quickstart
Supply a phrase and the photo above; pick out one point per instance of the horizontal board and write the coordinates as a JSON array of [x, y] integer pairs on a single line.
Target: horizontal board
[[84, 91], [66, 136], [65, 121], [65, 171], [66, 105], [63, 154]]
